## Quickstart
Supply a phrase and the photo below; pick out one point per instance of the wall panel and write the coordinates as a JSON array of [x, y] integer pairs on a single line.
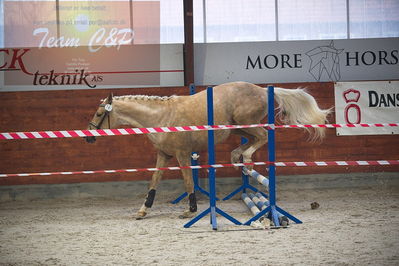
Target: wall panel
[[72, 109]]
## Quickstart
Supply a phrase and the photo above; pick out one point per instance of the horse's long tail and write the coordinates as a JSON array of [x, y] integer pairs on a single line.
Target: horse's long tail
[[296, 106]]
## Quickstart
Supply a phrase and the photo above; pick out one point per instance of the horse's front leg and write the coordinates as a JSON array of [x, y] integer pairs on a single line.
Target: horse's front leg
[[184, 160], [162, 160]]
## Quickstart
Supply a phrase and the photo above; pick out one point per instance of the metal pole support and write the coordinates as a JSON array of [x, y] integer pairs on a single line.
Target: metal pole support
[[212, 210]]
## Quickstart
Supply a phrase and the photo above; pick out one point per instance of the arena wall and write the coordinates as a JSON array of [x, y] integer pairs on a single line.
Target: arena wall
[[72, 109]]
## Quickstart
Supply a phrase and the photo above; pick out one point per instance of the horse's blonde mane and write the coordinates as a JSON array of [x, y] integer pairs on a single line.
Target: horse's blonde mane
[[143, 98]]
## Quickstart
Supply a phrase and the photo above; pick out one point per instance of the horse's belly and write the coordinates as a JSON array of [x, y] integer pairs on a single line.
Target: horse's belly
[[189, 141], [200, 143]]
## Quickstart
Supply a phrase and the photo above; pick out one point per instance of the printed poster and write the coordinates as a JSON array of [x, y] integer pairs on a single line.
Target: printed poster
[[367, 102]]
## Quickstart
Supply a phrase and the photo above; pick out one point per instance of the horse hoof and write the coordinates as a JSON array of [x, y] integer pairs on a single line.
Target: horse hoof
[[234, 162], [140, 215], [187, 214], [249, 167]]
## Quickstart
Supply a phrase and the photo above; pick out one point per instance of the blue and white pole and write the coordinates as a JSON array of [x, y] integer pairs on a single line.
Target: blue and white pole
[[257, 176]]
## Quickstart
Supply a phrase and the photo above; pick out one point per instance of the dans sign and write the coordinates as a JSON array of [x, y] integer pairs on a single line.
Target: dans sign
[[367, 102]]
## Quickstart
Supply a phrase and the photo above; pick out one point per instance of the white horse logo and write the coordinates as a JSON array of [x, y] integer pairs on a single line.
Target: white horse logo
[[325, 58]]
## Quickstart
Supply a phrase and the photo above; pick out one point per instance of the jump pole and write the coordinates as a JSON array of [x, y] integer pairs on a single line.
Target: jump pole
[[257, 203], [252, 206], [212, 210], [262, 203], [194, 162], [272, 208]]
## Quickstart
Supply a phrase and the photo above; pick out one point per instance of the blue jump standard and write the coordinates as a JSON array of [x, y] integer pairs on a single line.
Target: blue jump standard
[[194, 162], [272, 208], [212, 210]]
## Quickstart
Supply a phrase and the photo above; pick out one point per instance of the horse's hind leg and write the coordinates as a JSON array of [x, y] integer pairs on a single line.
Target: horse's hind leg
[[184, 160], [260, 139], [162, 160], [237, 152]]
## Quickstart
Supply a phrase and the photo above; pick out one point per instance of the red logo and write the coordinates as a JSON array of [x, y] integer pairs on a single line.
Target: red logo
[[352, 96]]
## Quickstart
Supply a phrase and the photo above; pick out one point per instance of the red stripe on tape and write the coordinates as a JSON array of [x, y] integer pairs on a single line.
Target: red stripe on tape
[[129, 130], [44, 134], [87, 133], [73, 133], [15, 136], [30, 135], [58, 134], [102, 132], [159, 130], [144, 130], [173, 129]]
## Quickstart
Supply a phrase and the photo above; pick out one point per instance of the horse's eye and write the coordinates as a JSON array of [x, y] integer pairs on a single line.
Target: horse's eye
[[99, 114]]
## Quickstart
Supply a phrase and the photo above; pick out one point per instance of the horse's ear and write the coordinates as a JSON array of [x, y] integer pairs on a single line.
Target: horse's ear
[[110, 96]]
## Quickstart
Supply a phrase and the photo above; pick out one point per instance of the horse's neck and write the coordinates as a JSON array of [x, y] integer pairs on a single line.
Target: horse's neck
[[141, 113]]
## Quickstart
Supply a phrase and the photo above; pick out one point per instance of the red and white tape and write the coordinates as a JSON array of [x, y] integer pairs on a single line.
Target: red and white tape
[[135, 131], [118, 132], [339, 163], [284, 164], [340, 125]]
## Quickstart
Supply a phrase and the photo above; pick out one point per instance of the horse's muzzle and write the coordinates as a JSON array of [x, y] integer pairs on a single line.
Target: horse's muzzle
[[90, 139]]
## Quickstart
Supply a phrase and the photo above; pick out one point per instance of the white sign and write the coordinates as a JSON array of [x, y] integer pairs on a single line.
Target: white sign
[[297, 61], [367, 102]]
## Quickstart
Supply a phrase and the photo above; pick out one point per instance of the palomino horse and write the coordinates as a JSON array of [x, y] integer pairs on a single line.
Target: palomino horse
[[236, 103]]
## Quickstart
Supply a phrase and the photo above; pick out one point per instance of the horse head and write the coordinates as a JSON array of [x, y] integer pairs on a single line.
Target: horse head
[[102, 114]]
